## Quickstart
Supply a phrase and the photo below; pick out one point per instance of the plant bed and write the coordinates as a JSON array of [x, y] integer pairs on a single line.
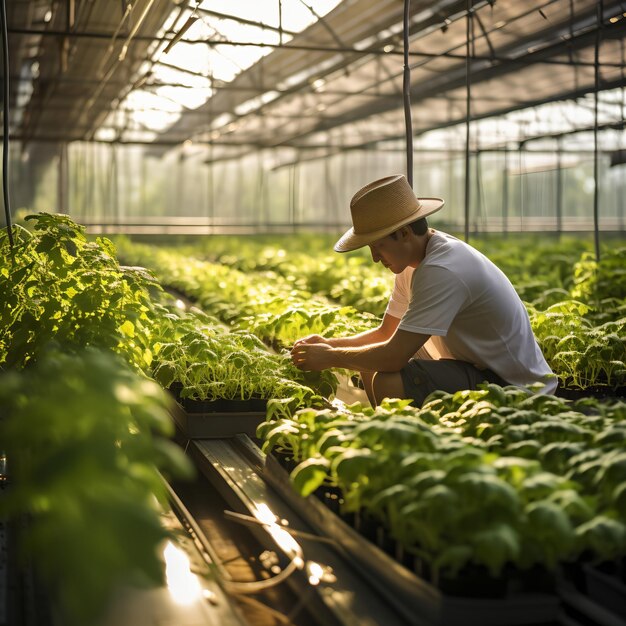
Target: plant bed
[[217, 424], [411, 594], [219, 405], [599, 392], [285, 460], [223, 405]]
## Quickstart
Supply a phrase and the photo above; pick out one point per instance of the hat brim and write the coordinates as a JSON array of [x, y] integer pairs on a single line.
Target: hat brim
[[353, 241]]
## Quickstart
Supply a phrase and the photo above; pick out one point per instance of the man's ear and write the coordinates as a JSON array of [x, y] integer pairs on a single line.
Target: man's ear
[[405, 231]]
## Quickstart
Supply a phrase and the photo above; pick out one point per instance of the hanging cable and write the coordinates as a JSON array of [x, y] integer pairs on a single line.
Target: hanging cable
[[406, 90], [5, 135]]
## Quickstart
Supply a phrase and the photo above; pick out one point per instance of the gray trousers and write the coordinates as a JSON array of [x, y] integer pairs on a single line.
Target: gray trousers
[[421, 377]]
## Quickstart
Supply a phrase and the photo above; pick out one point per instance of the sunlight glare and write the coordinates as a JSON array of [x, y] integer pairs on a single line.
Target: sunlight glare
[[181, 582]]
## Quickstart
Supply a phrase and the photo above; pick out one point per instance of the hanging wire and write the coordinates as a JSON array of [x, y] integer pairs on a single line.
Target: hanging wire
[[406, 90], [5, 136]]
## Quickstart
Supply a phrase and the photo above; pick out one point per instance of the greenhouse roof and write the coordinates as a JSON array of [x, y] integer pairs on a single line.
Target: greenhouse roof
[[310, 77]]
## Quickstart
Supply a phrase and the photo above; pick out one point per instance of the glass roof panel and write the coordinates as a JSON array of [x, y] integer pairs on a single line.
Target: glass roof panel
[[200, 64]]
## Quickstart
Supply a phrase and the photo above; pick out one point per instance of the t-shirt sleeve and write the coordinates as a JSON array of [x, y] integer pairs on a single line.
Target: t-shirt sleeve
[[400, 296], [437, 295]]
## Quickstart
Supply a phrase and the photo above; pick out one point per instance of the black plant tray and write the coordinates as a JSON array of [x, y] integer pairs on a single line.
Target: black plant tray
[[420, 602], [217, 424], [606, 588], [598, 392], [253, 405]]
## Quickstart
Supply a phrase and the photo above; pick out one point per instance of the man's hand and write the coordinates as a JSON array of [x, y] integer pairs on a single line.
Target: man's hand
[[310, 339], [312, 356]]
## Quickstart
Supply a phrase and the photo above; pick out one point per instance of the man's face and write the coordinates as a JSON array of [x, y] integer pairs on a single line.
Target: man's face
[[388, 252]]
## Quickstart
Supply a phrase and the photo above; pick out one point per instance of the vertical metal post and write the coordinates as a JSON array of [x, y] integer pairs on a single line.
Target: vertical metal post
[[261, 209], [327, 193], [62, 180], [406, 89], [5, 122], [505, 192], [596, 190], [468, 115], [114, 182], [292, 207], [559, 189], [142, 184], [210, 188], [522, 175], [296, 194], [479, 219]]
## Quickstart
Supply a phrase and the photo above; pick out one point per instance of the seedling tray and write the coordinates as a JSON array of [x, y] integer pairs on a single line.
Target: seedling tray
[[606, 589], [421, 602], [217, 425]]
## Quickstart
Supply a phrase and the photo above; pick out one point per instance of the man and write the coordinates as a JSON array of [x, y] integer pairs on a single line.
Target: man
[[453, 321]]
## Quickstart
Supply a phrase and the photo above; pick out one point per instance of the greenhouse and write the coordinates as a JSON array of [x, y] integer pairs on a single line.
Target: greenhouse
[[313, 313]]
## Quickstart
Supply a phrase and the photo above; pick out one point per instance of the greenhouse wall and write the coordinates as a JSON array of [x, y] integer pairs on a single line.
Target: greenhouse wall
[[113, 184]]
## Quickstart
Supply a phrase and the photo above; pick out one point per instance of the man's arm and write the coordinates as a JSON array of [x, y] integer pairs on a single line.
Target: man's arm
[[386, 356], [378, 335]]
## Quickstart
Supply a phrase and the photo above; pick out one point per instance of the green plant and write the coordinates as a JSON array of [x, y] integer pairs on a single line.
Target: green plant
[[84, 439], [60, 287], [447, 480], [211, 363]]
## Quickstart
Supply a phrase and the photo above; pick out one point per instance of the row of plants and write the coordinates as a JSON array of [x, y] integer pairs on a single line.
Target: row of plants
[[84, 425], [65, 289], [83, 429], [263, 303], [85, 439], [577, 306], [210, 363], [490, 478]]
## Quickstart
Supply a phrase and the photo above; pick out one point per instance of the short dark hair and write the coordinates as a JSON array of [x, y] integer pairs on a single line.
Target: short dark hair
[[419, 227]]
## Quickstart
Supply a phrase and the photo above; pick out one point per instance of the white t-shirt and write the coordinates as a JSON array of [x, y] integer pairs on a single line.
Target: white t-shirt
[[471, 311]]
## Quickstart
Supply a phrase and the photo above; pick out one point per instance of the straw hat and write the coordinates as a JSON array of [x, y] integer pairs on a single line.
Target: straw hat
[[381, 208]]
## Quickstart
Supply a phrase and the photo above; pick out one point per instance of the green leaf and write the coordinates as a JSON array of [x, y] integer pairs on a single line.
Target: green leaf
[[452, 559], [127, 328], [606, 537], [310, 475], [353, 464], [495, 546]]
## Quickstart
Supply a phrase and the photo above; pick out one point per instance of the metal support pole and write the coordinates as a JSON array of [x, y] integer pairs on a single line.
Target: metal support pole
[[406, 89], [479, 196], [210, 189], [114, 184], [5, 122], [522, 176], [505, 192], [596, 190], [468, 116], [559, 189], [62, 180]]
